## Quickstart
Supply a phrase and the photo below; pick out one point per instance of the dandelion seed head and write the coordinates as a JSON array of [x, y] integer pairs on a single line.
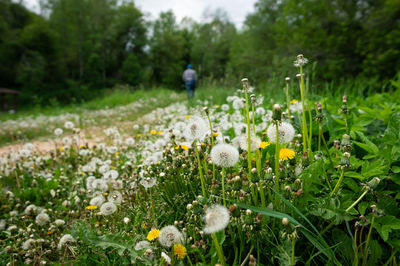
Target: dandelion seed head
[[224, 155], [285, 130], [42, 218], [196, 128], [216, 219], [170, 235], [65, 239], [255, 142], [108, 208]]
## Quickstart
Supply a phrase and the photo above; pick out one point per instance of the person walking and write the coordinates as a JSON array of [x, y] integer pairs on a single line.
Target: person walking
[[190, 78]]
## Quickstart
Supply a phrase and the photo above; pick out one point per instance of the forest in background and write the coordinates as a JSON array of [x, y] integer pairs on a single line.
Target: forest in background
[[80, 47]]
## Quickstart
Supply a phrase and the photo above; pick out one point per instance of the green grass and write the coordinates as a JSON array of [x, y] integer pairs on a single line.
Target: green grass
[[110, 99]]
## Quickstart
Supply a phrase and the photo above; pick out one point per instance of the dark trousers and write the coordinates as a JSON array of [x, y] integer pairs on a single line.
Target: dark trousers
[[190, 87]]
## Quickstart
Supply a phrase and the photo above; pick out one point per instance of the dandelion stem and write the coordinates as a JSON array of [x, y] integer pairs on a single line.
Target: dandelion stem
[[368, 238], [219, 249], [293, 249], [248, 134], [200, 169], [327, 150], [355, 248], [152, 206], [287, 98], [319, 137], [212, 140], [277, 168], [338, 183], [357, 201], [223, 186], [305, 134], [310, 135]]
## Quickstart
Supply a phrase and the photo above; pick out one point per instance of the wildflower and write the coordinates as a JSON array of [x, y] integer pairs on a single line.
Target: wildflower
[[285, 154], [108, 208], [65, 239], [115, 197], [170, 235], [96, 201], [138, 135], [255, 142], [285, 131], [142, 245], [112, 174], [166, 258], [126, 220], [294, 101], [153, 234], [264, 144], [216, 219], [153, 132], [58, 131], [69, 125], [224, 155], [129, 142], [196, 128], [42, 219], [91, 207], [148, 182], [59, 222], [180, 251], [187, 116], [296, 107], [301, 61], [28, 244]]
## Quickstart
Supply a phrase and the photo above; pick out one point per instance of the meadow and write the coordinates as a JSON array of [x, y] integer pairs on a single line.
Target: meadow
[[287, 174]]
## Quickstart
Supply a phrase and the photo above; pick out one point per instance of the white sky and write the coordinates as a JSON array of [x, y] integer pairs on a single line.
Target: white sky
[[236, 9]]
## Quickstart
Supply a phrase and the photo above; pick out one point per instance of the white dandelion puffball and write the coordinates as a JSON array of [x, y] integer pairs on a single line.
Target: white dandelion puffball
[[296, 107], [28, 244], [58, 131], [148, 182], [129, 142], [170, 235], [115, 197], [255, 142], [142, 245], [97, 201], [65, 239], [108, 208], [224, 155], [59, 222], [285, 131], [166, 258], [42, 218], [196, 128], [216, 219], [112, 174], [69, 125]]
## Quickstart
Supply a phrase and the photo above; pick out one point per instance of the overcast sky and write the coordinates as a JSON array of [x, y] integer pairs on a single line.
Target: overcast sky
[[236, 9]]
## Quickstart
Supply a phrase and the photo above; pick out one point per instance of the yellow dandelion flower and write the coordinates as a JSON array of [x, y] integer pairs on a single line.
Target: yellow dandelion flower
[[153, 132], [138, 135], [216, 134], [153, 234], [218, 106], [105, 193], [286, 154], [294, 101], [187, 116], [180, 251], [264, 144], [81, 146], [144, 226], [159, 132], [117, 153], [184, 147], [91, 207], [61, 148]]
